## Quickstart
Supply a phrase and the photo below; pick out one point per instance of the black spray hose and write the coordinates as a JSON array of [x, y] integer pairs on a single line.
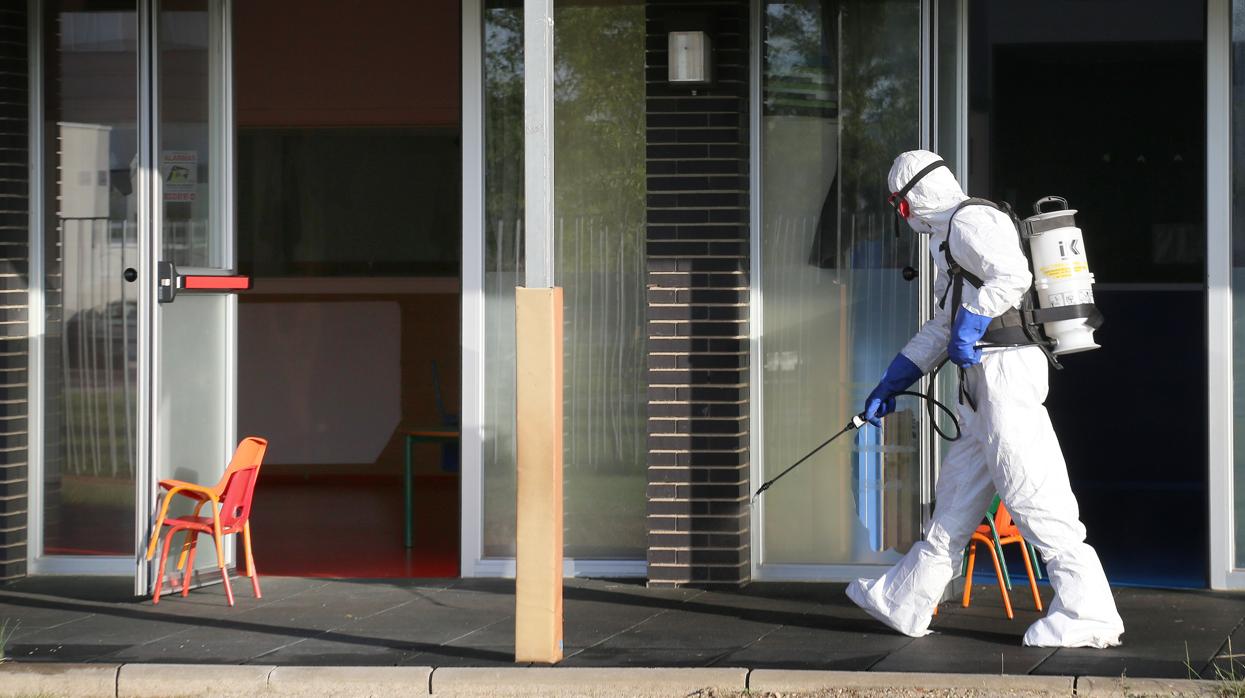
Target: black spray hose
[[859, 421]]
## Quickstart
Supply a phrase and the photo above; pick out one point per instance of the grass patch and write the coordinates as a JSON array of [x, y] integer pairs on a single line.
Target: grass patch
[[1231, 683], [6, 633]]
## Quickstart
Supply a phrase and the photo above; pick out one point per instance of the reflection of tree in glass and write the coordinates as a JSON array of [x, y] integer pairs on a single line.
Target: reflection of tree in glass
[[857, 62], [880, 97], [600, 212], [599, 119]]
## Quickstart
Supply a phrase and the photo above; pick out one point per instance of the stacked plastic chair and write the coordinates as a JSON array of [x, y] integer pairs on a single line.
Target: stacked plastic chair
[[1000, 530]]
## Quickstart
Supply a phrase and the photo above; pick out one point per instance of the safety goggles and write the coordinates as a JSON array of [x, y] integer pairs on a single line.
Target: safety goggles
[[898, 200]]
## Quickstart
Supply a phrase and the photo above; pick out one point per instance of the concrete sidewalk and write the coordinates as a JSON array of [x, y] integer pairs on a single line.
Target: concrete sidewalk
[[439, 625]]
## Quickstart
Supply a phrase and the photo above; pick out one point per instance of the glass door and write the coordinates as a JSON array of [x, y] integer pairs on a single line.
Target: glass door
[[132, 147], [85, 330], [188, 395], [840, 97]]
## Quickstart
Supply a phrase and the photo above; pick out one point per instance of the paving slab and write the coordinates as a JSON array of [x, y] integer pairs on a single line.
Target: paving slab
[[334, 650], [964, 654], [561, 681], [447, 656], [805, 648], [659, 657]]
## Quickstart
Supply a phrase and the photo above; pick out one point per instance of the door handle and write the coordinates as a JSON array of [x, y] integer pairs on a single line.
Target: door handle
[[909, 273], [169, 282], [130, 274]]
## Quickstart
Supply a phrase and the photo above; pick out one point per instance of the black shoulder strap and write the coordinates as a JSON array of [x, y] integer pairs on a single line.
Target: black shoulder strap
[[958, 273]]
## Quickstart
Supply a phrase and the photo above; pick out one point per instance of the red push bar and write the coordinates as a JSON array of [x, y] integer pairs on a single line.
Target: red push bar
[[216, 283]]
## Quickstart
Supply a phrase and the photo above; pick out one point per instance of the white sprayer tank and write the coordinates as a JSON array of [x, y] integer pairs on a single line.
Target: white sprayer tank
[[1061, 273]]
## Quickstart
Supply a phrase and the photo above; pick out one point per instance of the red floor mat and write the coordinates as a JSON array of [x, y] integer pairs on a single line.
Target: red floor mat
[[352, 527]]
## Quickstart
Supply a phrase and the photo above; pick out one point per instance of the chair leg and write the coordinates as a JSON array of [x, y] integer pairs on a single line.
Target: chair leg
[[190, 565], [968, 576], [224, 575], [250, 559], [998, 571], [164, 558], [1037, 598], [181, 560], [1037, 567], [224, 569], [1007, 574]]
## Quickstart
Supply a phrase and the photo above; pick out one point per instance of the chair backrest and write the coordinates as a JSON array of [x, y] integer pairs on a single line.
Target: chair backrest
[[1003, 521], [237, 487]]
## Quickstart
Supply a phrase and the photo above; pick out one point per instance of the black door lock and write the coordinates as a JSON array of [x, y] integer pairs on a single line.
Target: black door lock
[[909, 273], [130, 275]]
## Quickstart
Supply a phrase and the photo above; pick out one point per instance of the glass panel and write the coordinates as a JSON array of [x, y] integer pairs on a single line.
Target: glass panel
[[600, 209], [190, 409], [90, 346], [841, 89], [191, 232], [947, 82], [1238, 269], [1137, 178], [348, 214]]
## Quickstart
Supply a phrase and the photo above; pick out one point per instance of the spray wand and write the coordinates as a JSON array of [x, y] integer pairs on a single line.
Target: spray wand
[[857, 422]]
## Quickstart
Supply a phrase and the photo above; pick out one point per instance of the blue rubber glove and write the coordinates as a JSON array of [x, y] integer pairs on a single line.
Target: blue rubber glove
[[968, 329], [901, 374]]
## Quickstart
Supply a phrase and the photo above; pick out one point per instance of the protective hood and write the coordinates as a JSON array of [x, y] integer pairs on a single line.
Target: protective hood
[[935, 196]]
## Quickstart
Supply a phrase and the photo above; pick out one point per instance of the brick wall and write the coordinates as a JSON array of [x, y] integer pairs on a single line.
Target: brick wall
[[14, 269], [697, 267]]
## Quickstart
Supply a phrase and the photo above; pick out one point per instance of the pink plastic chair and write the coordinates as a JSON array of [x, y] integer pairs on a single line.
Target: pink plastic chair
[[230, 501]]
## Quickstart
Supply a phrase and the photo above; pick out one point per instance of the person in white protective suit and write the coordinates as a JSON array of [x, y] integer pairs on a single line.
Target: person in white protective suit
[[1007, 445]]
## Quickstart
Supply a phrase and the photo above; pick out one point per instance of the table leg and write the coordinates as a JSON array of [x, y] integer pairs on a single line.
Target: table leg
[[406, 495]]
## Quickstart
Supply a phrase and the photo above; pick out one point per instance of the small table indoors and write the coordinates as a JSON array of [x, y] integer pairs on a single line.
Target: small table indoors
[[415, 436]]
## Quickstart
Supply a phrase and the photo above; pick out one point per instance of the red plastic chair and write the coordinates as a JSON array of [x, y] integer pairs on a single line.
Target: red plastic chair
[[231, 513]]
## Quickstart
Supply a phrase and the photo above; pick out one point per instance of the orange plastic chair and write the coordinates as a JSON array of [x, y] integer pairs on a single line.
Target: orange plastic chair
[[1008, 533], [231, 513]]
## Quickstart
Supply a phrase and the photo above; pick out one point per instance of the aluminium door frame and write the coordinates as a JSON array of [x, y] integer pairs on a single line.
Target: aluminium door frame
[[760, 569], [1221, 492]]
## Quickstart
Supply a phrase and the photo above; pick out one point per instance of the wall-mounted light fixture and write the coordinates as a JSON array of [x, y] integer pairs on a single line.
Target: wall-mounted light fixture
[[690, 58]]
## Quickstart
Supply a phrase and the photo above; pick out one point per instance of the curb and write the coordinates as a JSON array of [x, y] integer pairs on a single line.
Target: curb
[[1099, 687], [350, 681], [144, 680], [58, 679], [585, 681], [797, 681], [250, 681]]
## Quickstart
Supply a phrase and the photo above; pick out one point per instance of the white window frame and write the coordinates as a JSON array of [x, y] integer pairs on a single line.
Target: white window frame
[[1219, 358]]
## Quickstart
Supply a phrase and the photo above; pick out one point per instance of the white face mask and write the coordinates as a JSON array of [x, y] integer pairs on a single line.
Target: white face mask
[[920, 225]]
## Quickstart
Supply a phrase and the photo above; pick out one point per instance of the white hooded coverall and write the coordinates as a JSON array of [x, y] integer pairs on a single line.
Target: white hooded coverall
[[1007, 445]]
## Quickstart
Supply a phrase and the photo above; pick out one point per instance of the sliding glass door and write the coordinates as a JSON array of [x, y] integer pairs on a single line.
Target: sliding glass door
[[840, 97]]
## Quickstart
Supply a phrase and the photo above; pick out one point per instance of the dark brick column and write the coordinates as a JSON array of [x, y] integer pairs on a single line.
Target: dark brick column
[[14, 282], [698, 524]]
